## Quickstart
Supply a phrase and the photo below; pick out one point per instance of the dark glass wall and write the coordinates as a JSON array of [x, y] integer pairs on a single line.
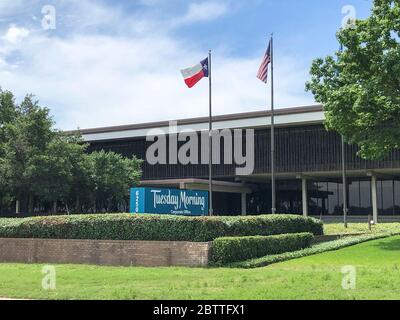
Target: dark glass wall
[[388, 193], [397, 197], [298, 149], [227, 204], [289, 197], [259, 202], [288, 194], [325, 198], [365, 197]]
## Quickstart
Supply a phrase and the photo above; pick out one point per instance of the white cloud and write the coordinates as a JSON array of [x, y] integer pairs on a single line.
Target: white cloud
[[3, 64], [205, 11], [15, 35], [8, 5], [91, 80]]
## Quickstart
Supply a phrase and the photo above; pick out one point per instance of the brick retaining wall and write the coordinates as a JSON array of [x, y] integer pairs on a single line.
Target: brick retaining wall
[[104, 252]]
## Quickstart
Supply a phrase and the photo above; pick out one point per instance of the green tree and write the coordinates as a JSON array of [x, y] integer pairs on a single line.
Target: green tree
[[42, 166], [81, 173], [111, 176], [54, 170], [8, 114], [360, 85], [26, 138]]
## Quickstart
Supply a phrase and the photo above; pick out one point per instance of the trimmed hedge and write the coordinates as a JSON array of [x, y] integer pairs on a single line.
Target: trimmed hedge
[[315, 249], [154, 227], [231, 249], [266, 225]]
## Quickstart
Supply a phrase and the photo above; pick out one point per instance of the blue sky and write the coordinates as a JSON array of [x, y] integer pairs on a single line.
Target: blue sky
[[117, 62]]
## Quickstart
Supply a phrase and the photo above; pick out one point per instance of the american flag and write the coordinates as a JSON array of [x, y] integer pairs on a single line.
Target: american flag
[[263, 71]]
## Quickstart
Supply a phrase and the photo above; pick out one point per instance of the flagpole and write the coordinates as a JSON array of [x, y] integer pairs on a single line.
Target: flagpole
[[273, 190], [344, 178], [344, 182], [210, 182]]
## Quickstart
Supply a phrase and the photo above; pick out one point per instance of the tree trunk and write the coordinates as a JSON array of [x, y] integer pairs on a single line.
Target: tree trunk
[[77, 204], [31, 203], [55, 206], [17, 207]]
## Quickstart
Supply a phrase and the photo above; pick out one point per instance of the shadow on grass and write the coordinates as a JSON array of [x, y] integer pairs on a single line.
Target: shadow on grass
[[392, 245]]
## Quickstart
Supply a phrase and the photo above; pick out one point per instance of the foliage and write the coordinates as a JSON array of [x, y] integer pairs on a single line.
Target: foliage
[[40, 166], [315, 249], [111, 177], [360, 86], [147, 227], [52, 171], [231, 249], [360, 228], [274, 224]]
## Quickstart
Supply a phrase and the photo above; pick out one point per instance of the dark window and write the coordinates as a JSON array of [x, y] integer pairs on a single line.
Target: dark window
[[289, 197], [333, 198], [354, 197], [385, 197], [326, 198], [397, 197], [365, 198], [318, 198], [359, 197]]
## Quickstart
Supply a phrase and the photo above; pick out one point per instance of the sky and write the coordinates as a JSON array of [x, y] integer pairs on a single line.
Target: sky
[[97, 63]]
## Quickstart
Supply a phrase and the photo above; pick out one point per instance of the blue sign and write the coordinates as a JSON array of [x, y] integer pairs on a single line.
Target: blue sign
[[169, 201]]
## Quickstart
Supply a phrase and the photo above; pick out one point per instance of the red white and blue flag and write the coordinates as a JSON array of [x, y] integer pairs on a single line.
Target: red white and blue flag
[[196, 73], [263, 71]]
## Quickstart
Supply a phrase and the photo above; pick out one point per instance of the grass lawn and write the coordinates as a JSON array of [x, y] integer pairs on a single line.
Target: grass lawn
[[355, 228], [314, 277]]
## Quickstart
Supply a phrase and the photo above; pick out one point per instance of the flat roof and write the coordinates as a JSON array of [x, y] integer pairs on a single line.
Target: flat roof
[[283, 117]]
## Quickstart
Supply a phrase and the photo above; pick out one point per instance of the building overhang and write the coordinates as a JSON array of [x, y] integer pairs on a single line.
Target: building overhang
[[251, 120], [198, 184], [324, 175]]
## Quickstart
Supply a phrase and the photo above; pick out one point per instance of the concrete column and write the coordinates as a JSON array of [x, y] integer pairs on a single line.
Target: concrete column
[[374, 199], [304, 196], [17, 209], [244, 204]]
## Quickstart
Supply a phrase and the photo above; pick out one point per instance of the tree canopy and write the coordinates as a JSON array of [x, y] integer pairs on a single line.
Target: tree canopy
[[41, 167], [359, 86]]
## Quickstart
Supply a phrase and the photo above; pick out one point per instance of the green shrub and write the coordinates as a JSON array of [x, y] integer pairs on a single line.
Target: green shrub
[[231, 249], [153, 227], [266, 225]]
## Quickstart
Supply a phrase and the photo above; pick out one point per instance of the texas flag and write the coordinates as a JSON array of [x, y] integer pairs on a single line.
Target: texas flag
[[196, 73]]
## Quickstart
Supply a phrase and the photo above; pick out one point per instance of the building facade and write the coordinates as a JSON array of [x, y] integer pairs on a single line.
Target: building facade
[[308, 165]]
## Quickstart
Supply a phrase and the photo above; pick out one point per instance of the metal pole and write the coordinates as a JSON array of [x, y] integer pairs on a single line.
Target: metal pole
[[272, 130], [210, 182], [345, 210]]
